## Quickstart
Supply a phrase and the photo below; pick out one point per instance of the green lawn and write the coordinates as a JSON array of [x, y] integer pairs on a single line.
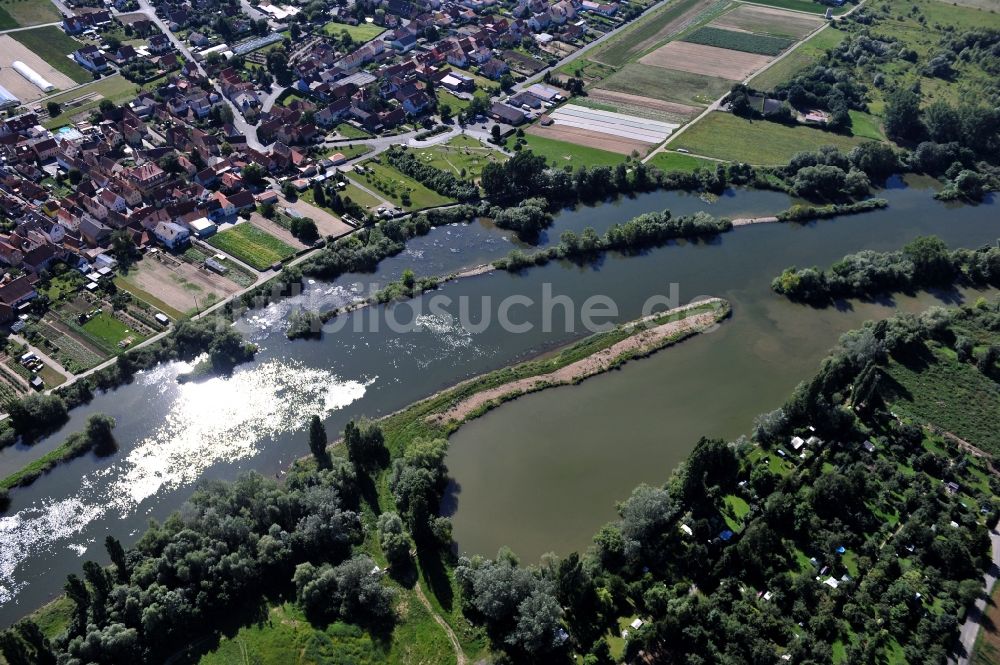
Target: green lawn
[[24, 13], [53, 45], [251, 245], [805, 55], [866, 126], [667, 84], [562, 153], [458, 154], [349, 151], [676, 161], [116, 88], [392, 184], [725, 136], [350, 131], [109, 330], [359, 196], [359, 33]]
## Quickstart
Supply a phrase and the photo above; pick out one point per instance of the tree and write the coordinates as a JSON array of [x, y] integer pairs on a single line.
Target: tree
[[253, 175], [54, 109], [365, 446], [393, 539], [495, 133], [902, 114], [117, 555], [123, 249], [317, 442], [931, 259]]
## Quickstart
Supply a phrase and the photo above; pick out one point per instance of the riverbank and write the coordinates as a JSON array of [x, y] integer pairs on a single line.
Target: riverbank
[[607, 351]]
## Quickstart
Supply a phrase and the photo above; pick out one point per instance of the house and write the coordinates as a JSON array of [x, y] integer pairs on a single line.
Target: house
[[202, 227], [159, 43], [91, 59], [171, 235], [148, 177], [95, 233], [494, 69], [14, 294], [198, 39]]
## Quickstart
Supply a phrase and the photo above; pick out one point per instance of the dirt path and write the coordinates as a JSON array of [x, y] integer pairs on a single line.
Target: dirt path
[[647, 340], [459, 654]]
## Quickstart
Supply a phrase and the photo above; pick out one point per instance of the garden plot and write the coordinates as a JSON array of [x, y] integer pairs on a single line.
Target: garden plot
[[738, 40], [768, 21], [630, 128], [625, 101], [706, 60]]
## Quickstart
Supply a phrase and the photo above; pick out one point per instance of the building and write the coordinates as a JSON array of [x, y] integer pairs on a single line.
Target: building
[[171, 235]]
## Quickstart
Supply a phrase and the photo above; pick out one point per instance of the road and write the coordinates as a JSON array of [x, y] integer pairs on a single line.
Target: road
[[970, 629], [244, 127], [31, 27]]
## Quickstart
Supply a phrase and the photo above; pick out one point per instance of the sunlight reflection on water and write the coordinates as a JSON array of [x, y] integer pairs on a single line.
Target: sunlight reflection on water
[[219, 419]]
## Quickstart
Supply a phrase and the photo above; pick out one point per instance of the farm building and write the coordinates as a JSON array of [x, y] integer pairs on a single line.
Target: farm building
[[7, 99], [37, 79]]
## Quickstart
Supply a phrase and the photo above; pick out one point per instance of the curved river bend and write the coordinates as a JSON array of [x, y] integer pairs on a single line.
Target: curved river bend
[[539, 474]]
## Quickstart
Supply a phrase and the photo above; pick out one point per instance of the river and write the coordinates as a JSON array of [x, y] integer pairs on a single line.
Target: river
[[539, 474]]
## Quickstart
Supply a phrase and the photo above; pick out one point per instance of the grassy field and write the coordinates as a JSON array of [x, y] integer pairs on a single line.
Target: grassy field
[[676, 161], [866, 126], [561, 153], [807, 54], [249, 244], [724, 136], [739, 41], [667, 84], [131, 287], [23, 13], [804, 6], [350, 151], [53, 45], [116, 88], [987, 649], [109, 330], [392, 184], [359, 33], [287, 637], [461, 153], [350, 131], [641, 35], [919, 391]]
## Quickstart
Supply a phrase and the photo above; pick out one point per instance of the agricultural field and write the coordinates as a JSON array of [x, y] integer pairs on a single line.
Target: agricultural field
[[677, 161], [805, 6], [918, 392], [402, 190], [725, 136], [462, 155], [53, 45], [705, 60], [642, 107], [586, 138], [24, 13], [588, 70], [560, 153], [768, 21], [360, 33], [987, 650], [12, 51], [668, 85], [649, 31], [746, 42], [247, 243], [804, 56]]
